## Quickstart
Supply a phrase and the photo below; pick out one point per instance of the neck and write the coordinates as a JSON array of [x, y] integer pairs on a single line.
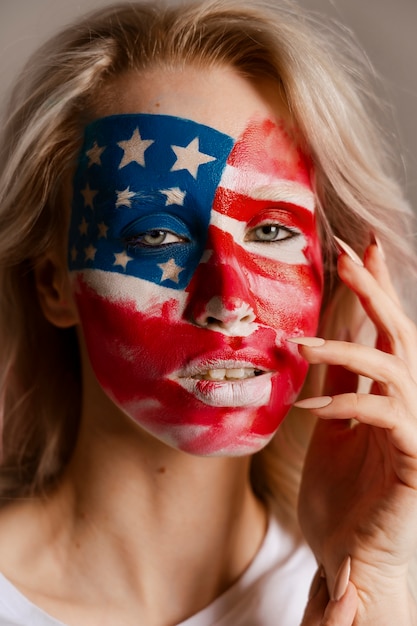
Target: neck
[[163, 523]]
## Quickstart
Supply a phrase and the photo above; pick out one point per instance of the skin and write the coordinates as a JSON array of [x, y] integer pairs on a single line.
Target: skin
[[112, 528], [369, 472], [321, 611], [84, 542]]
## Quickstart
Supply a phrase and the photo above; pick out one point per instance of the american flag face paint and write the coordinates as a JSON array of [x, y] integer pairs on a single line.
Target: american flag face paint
[[194, 256]]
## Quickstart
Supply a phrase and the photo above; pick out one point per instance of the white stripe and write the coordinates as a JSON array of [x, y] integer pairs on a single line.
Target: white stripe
[[288, 251], [268, 187], [119, 287]]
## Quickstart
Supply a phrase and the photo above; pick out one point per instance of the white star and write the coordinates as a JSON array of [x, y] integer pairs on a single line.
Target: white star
[[190, 158], [175, 195], [74, 254], [94, 154], [102, 230], [88, 195], [123, 197], [134, 149], [90, 253], [170, 271], [121, 258], [83, 227]]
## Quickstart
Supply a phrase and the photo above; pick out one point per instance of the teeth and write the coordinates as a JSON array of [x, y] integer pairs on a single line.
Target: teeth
[[237, 373], [215, 374]]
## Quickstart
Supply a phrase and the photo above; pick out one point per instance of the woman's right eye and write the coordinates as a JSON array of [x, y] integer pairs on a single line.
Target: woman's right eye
[[155, 238]]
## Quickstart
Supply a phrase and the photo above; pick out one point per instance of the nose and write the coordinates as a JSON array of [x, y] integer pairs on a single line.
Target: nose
[[219, 293]]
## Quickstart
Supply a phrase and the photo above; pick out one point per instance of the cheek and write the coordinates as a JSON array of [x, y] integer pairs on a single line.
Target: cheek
[[286, 297], [290, 301], [124, 343]]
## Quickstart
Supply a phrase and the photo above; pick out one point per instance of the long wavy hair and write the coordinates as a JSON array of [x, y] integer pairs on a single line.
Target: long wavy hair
[[326, 90]]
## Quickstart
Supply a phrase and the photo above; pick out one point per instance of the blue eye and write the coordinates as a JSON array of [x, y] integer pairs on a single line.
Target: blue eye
[[271, 233], [154, 238]]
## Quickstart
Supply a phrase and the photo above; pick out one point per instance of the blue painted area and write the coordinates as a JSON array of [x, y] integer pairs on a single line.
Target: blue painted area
[[122, 208]]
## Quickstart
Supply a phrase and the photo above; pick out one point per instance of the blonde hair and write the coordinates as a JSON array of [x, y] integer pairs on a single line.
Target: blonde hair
[[325, 93]]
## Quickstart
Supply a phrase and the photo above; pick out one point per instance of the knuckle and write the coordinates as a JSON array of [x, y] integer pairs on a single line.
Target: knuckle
[[352, 402], [395, 371]]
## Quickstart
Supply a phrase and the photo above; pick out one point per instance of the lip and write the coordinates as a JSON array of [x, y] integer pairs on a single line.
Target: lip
[[226, 360], [229, 393]]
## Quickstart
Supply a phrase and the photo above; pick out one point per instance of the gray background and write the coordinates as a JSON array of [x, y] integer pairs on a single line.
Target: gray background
[[385, 29]]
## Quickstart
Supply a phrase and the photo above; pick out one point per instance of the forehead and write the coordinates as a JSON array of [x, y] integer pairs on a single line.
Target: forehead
[[146, 161], [132, 164], [218, 97]]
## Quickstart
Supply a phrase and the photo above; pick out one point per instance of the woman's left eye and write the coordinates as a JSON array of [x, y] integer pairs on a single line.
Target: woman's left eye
[[154, 238], [270, 232]]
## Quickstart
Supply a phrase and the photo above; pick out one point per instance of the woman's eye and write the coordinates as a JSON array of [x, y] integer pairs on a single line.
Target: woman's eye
[[155, 238], [270, 232]]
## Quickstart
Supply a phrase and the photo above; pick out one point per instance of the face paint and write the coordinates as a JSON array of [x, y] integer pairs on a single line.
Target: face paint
[[194, 256]]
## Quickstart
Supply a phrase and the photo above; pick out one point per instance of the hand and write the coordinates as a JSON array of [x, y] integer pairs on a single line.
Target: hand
[[359, 490], [321, 611]]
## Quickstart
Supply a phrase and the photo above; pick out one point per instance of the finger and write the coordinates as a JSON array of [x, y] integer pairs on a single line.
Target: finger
[[380, 411], [322, 612], [375, 263], [388, 370], [385, 313], [342, 612], [318, 601]]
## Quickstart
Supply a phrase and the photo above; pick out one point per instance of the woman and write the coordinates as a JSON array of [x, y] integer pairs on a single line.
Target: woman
[[173, 182]]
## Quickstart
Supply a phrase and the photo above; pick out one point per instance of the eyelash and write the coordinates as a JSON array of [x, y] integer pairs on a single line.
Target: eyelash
[[138, 241], [290, 233]]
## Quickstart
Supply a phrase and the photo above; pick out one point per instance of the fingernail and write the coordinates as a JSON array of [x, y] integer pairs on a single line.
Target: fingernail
[[342, 580], [314, 403], [316, 583], [311, 342], [379, 245], [344, 247]]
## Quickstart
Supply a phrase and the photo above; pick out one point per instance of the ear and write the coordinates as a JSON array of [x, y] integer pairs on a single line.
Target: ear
[[54, 291]]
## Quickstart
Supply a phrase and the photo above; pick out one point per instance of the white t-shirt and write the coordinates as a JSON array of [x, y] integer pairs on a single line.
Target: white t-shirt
[[271, 592]]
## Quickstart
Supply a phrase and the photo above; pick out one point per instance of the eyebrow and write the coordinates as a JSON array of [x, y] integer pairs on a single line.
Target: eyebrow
[[268, 187]]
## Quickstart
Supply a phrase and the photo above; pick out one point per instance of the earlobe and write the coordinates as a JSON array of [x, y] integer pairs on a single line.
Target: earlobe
[[54, 291]]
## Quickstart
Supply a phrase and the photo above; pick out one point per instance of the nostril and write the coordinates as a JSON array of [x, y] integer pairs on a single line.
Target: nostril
[[230, 315]]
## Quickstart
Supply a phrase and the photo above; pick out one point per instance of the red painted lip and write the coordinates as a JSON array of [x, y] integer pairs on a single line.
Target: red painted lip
[[227, 360], [247, 393]]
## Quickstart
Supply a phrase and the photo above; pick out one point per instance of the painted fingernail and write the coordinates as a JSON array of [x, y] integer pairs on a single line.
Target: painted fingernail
[[314, 403], [311, 342], [344, 247], [317, 582], [379, 245], [342, 580]]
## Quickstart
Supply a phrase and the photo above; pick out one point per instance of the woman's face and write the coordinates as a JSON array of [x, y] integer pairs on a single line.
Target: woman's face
[[194, 255]]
